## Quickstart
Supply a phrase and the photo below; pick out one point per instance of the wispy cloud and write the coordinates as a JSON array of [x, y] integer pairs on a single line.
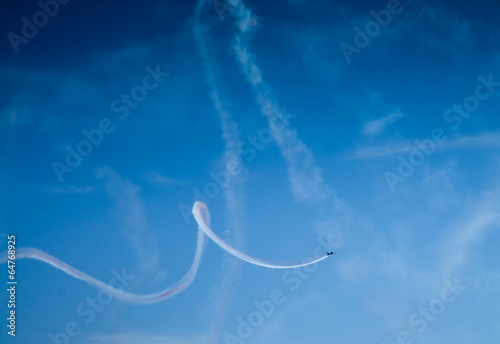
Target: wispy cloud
[[483, 140], [136, 338], [377, 126], [479, 141], [156, 178], [461, 240], [370, 152], [131, 209], [70, 189]]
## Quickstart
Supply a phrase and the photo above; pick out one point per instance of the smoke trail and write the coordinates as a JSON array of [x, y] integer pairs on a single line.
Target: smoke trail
[[230, 131], [143, 242], [305, 176], [233, 194], [202, 216], [199, 209], [33, 253]]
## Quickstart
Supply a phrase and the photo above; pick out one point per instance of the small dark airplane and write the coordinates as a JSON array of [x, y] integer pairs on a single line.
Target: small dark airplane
[[329, 253]]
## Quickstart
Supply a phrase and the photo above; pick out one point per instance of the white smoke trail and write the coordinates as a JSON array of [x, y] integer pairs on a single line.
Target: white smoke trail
[[305, 176], [199, 209], [233, 192], [230, 131], [33, 253], [202, 216]]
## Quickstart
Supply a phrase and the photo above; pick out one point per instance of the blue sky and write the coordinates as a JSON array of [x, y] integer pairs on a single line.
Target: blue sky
[[389, 155]]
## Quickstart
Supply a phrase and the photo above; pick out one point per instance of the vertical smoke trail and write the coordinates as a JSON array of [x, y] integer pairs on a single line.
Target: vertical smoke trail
[[308, 185], [233, 192]]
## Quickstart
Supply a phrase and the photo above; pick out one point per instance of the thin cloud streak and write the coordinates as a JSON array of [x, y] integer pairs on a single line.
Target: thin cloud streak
[[480, 141], [70, 189], [156, 178], [132, 210], [459, 243], [135, 338], [377, 127]]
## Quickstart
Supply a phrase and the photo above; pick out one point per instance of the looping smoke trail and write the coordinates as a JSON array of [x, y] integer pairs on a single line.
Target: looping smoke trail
[[202, 216]]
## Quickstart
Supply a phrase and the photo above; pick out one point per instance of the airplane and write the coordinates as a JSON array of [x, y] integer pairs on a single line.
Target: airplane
[[329, 253]]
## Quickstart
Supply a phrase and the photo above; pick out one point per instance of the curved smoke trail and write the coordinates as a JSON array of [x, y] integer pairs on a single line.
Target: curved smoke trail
[[202, 216], [33, 253], [200, 208]]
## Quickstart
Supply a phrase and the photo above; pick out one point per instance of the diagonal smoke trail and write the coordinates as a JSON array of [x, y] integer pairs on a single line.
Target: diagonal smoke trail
[[308, 185]]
